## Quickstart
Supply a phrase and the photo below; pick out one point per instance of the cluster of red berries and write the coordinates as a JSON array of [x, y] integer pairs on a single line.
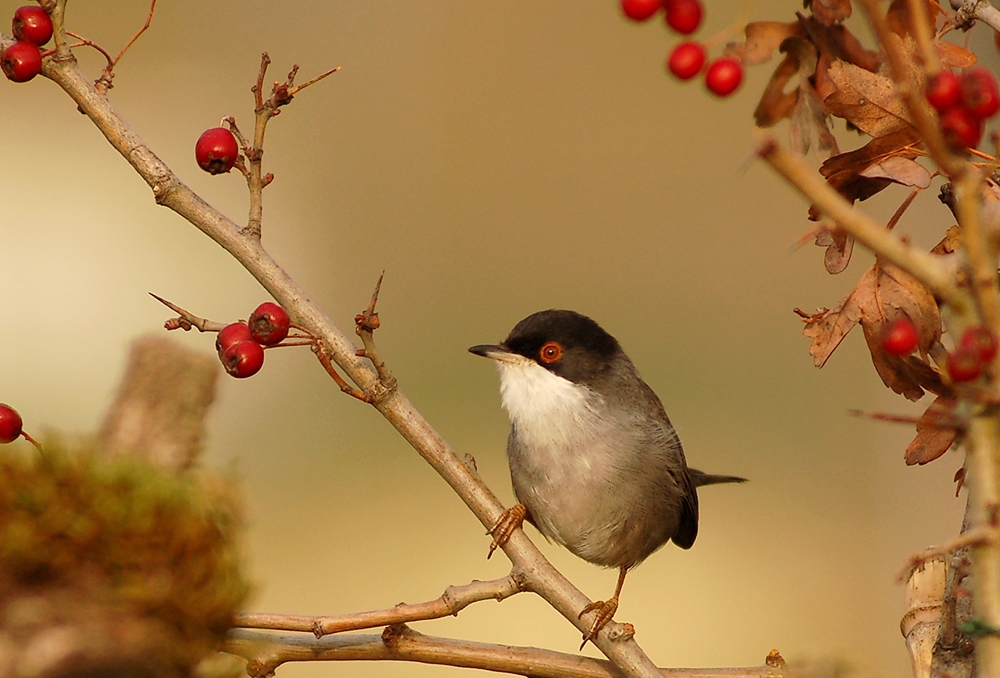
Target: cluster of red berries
[[722, 77], [964, 102], [32, 27], [974, 351], [241, 344], [216, 150], [10, 424]]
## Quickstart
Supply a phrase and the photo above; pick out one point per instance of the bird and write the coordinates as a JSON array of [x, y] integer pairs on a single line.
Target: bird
[[595, 464]]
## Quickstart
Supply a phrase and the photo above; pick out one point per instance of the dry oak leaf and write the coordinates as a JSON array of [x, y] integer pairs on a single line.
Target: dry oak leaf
[[830, 12], [860, 174], [884, 294], [867, 100], [836, 43], [937, 429], [776, 103], [839, 246], [863, 172], [763, 37], [954, 56], [900, 18]]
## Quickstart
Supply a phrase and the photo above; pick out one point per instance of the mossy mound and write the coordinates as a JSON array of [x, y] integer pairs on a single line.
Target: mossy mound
[[129, 562]]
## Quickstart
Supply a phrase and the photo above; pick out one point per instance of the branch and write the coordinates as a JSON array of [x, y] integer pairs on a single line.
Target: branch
[[924, 267], [265, 652], [979, 9], [535, 572], [452, 601]]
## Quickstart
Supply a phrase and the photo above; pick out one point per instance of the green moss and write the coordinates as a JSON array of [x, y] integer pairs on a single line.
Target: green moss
[[133, 537]]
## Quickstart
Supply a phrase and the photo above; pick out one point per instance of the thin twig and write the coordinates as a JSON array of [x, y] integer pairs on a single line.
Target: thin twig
[[149, 20], [188, 319], [977, 536], [292, 91], [451, 602], [365, 324]]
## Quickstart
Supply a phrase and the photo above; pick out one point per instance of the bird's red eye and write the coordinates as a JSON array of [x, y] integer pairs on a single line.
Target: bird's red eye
[[551, 352]]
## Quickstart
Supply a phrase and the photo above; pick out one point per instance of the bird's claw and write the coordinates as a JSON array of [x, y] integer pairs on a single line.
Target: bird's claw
[[509, 520], [605, 612]]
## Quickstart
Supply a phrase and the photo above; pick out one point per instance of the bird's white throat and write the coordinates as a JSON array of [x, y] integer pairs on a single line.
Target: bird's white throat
[[546, 409]]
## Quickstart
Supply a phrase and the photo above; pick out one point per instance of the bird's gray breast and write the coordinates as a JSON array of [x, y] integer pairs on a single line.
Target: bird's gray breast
[[593, 478]]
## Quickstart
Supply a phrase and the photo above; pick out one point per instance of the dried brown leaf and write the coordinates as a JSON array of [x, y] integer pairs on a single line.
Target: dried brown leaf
[[867, 100], [884, 294], [810, 125], [763, 37], [899, 170], [839, 43], [830, 12], [900, 19], [937, 428], [839, 247], [954, 56]]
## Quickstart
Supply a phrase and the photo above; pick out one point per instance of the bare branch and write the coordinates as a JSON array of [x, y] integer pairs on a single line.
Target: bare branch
[[451, 602], [980, 9], [265, 652]]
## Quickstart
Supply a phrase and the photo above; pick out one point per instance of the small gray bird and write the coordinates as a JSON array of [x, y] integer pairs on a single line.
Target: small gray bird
[[595, 463]]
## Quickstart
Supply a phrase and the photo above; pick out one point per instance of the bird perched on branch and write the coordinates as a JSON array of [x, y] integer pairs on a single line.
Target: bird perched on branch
[[595, 463]]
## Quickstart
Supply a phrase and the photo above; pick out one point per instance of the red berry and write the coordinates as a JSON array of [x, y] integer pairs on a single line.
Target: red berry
[[964, 364], [21, 61], [943, 90], [980, 95], [216, 150], [33, 24], [231, 334], [243, 359], [269, 324], [684, 16], [724, 75], [900, 338], [981, 341], [10, 424], [686, 60], [640, 10], [961, 129]]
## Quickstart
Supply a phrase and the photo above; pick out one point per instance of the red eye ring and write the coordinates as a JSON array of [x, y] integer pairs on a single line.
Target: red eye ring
[[551, 352]]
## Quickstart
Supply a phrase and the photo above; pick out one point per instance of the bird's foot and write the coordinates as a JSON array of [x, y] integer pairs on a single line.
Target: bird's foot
[[605, 612], [509, 520]]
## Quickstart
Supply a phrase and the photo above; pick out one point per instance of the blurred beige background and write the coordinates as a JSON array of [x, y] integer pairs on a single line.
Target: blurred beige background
[[495, 158]]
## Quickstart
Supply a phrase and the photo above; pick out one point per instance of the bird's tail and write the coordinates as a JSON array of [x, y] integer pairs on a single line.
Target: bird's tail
[[700, 478]]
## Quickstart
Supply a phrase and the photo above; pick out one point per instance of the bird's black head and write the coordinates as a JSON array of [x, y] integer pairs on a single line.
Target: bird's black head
[[566, 343]]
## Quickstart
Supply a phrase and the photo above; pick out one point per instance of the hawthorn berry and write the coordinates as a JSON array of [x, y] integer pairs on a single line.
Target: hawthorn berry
[[979, 93], [640, 10], [981, 341], [900, 338], [33, 24], [724, 76], [961, 129], [684, 16], [964, 364], [21, 61], [243, 359], [269, 324], [10, 424], [944, 90], [216, 150], [231, 334], [686, 60]]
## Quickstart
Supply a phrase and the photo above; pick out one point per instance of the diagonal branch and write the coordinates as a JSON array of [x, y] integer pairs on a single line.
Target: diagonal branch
[[537, 574]]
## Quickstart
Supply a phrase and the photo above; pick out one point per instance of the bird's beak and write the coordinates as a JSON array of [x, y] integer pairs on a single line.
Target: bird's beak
[[495, 352]]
